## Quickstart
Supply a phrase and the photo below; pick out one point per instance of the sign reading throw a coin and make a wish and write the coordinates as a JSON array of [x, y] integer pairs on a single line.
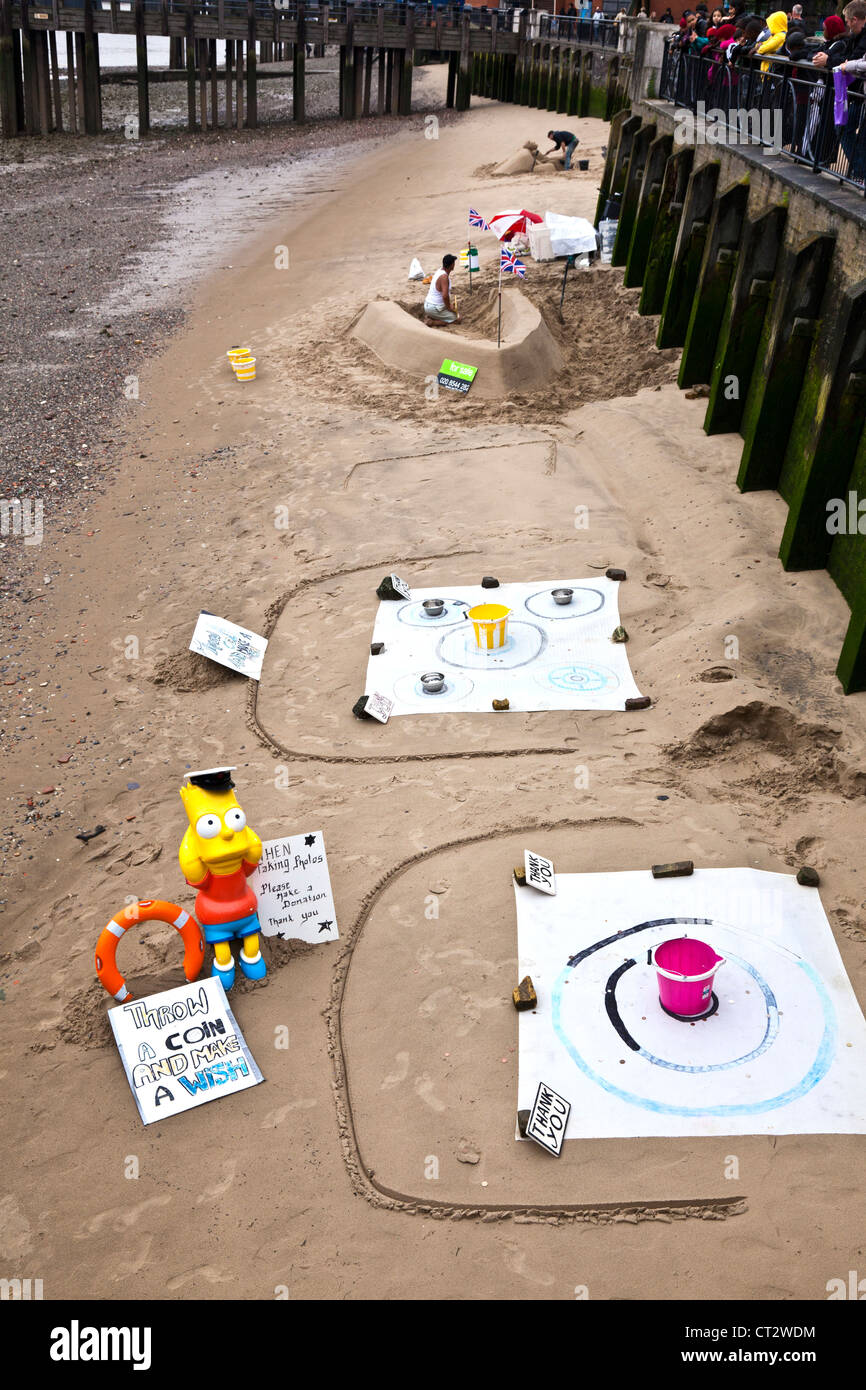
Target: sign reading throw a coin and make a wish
[[293, 887]]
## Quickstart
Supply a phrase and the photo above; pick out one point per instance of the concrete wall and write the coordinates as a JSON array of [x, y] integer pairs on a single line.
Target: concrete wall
[[757, 270]]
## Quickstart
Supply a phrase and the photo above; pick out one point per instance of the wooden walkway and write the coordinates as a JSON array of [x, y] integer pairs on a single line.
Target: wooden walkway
[[378, 46]]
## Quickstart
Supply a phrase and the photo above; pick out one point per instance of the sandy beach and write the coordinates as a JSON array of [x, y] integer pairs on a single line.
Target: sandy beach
[[402, 1036]]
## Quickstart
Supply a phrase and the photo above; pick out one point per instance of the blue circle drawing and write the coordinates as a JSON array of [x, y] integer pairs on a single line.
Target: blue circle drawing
[[816, 1072], [578, 679], [584, 602], [414, 614]]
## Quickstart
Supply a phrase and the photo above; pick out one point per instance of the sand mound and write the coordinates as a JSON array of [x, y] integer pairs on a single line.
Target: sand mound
[[529, 160], [188, 672], [527, 359], [757, 722], [782, 756]]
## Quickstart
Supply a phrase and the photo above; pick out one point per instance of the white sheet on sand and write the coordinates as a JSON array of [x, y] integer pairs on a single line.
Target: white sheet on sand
[[785, 1052], [555, 658], [569, 235]]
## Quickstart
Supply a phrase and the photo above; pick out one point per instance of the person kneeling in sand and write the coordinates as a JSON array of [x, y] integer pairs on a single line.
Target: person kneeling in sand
[[438, 308]]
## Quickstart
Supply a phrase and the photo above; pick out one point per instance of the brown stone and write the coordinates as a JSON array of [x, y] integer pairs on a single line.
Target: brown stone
[[808, 877], [523, 1121], [638, 702], [614, 573], [680, 868], [520, 876], [619, 634], [501, 704], [524, 996]]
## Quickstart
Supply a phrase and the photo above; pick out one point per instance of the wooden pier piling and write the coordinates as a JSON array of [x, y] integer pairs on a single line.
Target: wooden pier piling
[[299, 68]]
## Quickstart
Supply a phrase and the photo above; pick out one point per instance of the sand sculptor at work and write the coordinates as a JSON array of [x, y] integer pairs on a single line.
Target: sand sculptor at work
[[217, 855], [438, 308], [563, 140]]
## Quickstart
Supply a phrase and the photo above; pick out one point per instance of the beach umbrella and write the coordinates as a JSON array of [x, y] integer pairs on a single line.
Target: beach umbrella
[[514, 223]]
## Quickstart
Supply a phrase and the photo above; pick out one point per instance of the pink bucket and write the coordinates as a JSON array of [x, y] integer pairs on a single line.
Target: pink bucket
[[686, 969]]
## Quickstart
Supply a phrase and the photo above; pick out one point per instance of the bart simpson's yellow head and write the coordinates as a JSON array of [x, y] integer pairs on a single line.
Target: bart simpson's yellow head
[[218, 835]]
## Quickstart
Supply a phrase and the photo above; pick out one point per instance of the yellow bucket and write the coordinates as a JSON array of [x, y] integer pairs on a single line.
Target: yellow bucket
[[246, 370], [490, 621], [237, 355]]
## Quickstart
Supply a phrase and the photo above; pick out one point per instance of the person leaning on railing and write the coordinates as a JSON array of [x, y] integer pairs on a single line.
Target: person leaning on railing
[[851, 49], [852, 45]]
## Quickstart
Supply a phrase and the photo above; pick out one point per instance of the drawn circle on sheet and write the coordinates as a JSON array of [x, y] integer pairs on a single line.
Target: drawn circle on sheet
[[457, 647], [409, 691], [815, 1072], [768, 1024], [584, 602], [579, 678], [413, 614]]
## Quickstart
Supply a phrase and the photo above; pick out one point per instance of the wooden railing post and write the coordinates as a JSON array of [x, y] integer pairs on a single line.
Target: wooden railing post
[[252, 100], [190, 65], [299, 68], [408, 63], [141, 69]]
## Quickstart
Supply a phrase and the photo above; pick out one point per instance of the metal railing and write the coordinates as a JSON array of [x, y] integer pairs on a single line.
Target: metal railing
[[602, 32], [791, 107]]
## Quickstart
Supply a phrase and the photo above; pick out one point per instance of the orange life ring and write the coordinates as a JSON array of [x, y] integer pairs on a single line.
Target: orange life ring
[[148, 910]]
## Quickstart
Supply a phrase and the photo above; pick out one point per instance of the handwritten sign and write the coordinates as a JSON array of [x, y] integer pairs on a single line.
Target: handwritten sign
[[539, 872], [456, 376], [401, 586], [293, 887], [548, 1120], [181, 1049], [232, 646], [379, 706]]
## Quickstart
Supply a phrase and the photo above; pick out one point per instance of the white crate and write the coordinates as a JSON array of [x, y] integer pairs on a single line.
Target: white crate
[[539, 242]]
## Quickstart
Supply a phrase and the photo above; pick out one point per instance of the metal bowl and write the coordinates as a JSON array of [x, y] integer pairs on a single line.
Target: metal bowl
[[432, 682], [562, 596], [433, 607]]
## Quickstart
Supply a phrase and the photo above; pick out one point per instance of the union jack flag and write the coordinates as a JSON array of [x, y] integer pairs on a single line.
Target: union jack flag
[[511, 264], [476, 220]]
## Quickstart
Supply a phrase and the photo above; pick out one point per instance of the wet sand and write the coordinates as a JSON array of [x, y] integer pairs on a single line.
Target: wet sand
[[319, 1179]]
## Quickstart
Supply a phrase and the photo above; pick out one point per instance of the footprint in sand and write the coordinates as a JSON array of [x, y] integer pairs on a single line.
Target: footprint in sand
[[119, 1218], [208, 1272], [129, 1264], [15, 1233], [424, 1089], [516, 1262], [276, 1117], [216, 1189], [399, 1073]]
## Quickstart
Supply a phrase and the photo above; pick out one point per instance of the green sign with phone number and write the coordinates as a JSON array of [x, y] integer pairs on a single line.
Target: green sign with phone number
[[456, 376]]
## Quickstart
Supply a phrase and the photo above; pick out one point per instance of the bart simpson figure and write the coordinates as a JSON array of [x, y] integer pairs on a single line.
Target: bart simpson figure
[[217, 855]]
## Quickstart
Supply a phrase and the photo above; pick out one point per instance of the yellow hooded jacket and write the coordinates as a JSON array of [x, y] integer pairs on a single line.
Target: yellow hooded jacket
[[777, 23]]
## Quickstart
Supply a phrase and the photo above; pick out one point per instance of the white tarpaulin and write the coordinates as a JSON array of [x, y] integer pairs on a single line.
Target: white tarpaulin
[[554, 658], [569, 235], [784, 1051]]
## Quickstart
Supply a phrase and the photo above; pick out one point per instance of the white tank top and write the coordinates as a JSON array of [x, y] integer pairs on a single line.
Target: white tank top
[[434, 298]]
